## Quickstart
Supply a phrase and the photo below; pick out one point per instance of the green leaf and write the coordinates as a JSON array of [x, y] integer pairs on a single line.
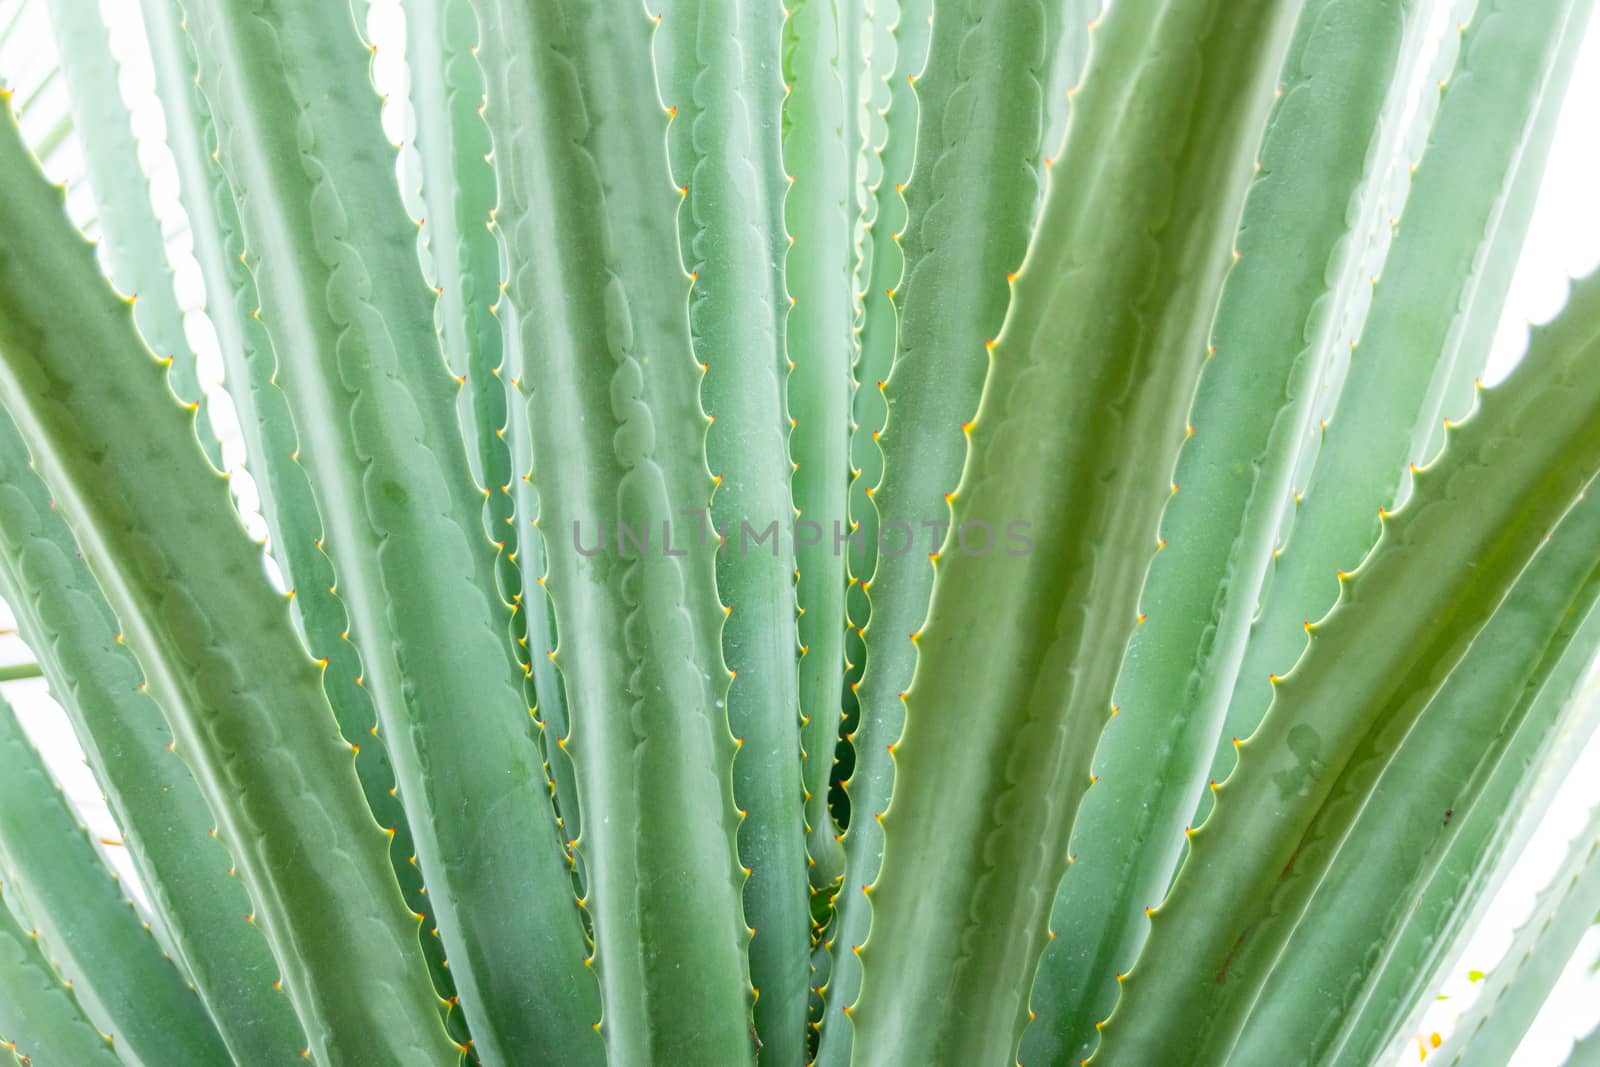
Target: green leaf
[[858, 78], [1511, 996], [159, 532], [717, 57], [166, 824], [1068, 24], [18, 672], [968, 207], [1457, 199], [898, 52], [1476, 858], [271, 443], [1402, 624], [1070, 464], [1474, 330], [41, 1020], [599, 303], [819, 212], [1586, 1051], [11, 22], [536, 612], [82, 918], [1379, 855], [334, 258], [463, 260], [135, 250], [458, 194], [1276, 323]]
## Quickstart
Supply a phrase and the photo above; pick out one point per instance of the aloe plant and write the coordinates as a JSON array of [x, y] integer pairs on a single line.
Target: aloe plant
[[937, 531]]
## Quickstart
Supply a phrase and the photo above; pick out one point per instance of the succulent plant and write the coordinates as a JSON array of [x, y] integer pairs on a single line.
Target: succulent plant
[[871, 532]]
